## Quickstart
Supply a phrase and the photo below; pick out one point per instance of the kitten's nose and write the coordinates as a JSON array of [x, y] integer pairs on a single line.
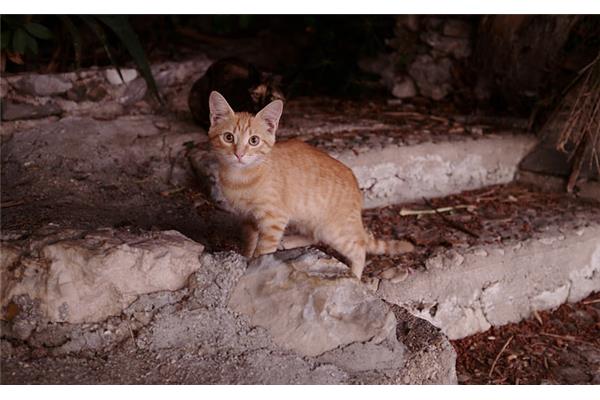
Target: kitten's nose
[[239, 156]]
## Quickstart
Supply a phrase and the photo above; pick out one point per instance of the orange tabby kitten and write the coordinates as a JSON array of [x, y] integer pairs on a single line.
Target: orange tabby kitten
[[274, 185]]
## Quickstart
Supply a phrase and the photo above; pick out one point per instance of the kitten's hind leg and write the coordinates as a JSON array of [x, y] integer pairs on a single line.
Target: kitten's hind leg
[[294, 241], [355, 252], [357, 258]]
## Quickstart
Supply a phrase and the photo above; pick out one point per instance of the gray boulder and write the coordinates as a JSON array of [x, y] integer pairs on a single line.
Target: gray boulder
[[309, 303]]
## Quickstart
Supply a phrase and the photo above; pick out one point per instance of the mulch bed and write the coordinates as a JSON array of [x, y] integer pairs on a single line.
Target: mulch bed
[[552, 347]]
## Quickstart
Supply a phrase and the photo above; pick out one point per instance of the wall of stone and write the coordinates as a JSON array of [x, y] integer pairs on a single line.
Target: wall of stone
[[427, 56]]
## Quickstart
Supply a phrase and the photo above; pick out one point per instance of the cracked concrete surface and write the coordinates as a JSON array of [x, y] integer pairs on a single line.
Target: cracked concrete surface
[[468, 292]]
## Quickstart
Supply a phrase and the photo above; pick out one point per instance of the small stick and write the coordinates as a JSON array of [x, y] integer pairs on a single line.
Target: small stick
[[12, 203], [453, 224], [499, 354], [167, 193], [591, 301], [131, 333], [416, 115], [565, 337], [538, 317], [405, 211]]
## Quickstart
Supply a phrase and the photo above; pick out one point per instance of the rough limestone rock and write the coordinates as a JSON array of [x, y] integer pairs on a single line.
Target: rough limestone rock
[[43, 85], [309, 303], [432, 77], [192, 336], [79, 276]]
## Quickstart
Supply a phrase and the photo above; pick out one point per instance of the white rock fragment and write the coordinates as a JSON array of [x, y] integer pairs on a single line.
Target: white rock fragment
[[112, 76]]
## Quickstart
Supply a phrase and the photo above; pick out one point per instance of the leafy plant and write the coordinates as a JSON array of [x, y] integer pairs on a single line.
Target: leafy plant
[[121, 27], [20, 36]]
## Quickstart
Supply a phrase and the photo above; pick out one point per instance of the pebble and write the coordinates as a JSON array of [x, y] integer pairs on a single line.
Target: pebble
[[394, 275], [404, 88], [162, 125], [481, 253]]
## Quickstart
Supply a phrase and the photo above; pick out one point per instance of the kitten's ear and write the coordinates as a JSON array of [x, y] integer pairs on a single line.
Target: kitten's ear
[[271, 114], [219, 108]]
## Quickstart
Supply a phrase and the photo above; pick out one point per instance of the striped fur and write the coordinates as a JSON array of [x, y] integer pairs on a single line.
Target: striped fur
[[288, 183], [391, 247]]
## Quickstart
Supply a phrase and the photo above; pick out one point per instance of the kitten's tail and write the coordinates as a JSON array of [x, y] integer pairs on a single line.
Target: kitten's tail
[[391, 247]]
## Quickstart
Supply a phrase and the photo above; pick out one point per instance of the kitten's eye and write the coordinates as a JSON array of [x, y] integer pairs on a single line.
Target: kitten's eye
[[254, 140], [228, 137]]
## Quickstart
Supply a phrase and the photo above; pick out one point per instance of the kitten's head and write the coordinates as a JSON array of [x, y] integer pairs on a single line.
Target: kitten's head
[[240, 139]]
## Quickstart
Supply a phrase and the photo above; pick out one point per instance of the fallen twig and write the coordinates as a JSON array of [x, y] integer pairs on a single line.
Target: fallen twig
[[132, 335], [499, 354], [568, 338], [12, 203], [167, 193], [405, 211], [591, 301], [416, 115], [451, 223]]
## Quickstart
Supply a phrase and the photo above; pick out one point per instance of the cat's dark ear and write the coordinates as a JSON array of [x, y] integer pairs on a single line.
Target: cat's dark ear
[[219, 108], [271, 114]]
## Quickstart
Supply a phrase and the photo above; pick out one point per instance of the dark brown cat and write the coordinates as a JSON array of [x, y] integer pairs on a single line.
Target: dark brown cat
[[242, 83]]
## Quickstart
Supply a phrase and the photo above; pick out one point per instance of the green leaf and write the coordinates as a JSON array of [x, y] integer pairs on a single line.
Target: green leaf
[[39, 31], [19, 41], [75, 36], [32, 44], [121, 27], [99, 32], [5, 39]]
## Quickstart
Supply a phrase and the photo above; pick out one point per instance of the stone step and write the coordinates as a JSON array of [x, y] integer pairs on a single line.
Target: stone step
[[534, 251], [400, 174]]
